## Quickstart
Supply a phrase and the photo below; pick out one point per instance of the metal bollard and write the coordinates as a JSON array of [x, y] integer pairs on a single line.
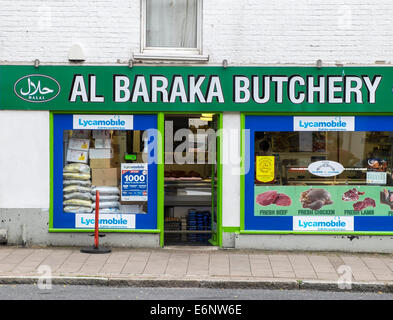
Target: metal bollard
[[96, 248]]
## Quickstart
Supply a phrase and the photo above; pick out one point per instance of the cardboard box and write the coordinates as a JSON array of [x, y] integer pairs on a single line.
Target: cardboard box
[[102, 143], [140, 157], [77, 156], [101, 163], [136, 142], [101, 134], [81, 134], [79, 144], [119, 144], [117, 139], [101, 153], [105, 177]]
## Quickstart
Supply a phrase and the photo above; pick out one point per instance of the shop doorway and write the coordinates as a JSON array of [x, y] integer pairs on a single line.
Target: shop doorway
[[190, 179]]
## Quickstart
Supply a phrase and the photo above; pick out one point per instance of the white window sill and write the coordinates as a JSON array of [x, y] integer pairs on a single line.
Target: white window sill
[[170, 57]]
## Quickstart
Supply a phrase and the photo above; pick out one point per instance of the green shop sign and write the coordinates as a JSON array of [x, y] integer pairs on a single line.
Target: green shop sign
[[196, 88]]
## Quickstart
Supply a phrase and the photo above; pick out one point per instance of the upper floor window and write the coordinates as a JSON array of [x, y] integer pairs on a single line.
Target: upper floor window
[[171, 29]]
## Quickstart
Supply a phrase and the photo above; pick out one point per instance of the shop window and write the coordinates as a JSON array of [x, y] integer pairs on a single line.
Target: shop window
[[358, 157], [119, 161], [338, 179], [93, 162], [171, 29]]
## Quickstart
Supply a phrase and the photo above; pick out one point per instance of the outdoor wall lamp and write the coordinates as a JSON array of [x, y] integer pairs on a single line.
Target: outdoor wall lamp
[[36, 63], [76, 53], [319, 63], [225, 63]]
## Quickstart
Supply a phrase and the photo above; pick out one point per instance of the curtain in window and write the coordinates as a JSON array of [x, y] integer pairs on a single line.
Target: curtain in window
[[171, 23]]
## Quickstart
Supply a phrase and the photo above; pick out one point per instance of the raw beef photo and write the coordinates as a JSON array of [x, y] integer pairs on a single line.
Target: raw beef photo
[[352, 195], [267, 198], [273, 197], [283, 200], [367, 202], [315, 199]]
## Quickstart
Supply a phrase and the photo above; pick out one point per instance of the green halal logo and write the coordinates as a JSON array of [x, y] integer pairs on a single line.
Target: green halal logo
[[37, 88]]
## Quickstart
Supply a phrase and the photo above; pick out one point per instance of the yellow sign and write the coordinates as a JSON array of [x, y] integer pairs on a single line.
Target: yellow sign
[[264, 168]]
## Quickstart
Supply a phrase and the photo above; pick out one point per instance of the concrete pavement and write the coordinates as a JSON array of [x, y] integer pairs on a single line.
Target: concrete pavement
[[199, 267]]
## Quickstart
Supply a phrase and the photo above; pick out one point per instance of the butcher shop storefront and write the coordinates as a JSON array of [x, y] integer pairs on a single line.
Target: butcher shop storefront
[[244, 157]]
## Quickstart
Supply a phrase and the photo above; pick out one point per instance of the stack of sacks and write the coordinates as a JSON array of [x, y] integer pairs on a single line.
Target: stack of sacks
[[109, 199], [77, 188]]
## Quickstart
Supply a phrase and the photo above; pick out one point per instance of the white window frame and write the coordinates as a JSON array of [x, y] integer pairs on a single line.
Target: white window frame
[[171, 53]]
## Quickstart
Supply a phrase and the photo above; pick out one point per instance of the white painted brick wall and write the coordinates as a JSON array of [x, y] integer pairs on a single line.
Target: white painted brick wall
[[107, 30], [241, 31], [302, 31]]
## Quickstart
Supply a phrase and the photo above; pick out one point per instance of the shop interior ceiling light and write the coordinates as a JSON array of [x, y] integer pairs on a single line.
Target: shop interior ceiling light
[[76, 53], [207, 116]]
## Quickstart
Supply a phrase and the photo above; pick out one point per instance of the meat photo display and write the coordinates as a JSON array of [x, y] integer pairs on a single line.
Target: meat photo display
[[326, 200], [353, 195], [387, 198], [315, 199], [367, 202], [273, 197]]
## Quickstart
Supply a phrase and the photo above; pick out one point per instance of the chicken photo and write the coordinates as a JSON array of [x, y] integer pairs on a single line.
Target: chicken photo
[[315, 199]]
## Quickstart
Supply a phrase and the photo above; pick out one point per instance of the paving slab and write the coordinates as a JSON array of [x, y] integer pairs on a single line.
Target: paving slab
[[198, 267]]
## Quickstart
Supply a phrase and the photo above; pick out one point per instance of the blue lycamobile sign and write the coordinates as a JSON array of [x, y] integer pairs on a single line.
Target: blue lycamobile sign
[[323, 123], [106, 221], [305, 223], [102, 122]]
